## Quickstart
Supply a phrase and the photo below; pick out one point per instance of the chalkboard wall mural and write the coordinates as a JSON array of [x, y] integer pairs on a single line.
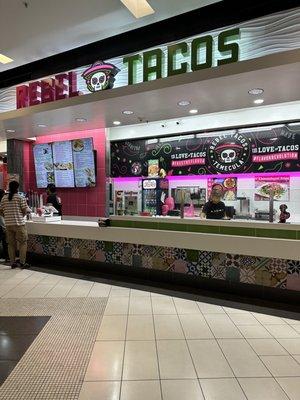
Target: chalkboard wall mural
[[252, 150]]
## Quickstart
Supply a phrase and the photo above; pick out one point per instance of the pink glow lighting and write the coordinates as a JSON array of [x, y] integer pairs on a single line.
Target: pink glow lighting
[[201, 177]]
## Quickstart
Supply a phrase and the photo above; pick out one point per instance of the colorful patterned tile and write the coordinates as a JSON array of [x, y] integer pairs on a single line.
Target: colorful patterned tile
[[205, 257], [137, 260], [100, 255], [247, 275], [109, 257], [180, 266], [263, 277], [248, 261], [169, 252], [276, 265], [205, 270], [160, 264], [100, 245], [192, 255], [127, 259], [232, 274], [293, 282], [293, 267], [218, 259], [218, 272], [180, 254], [233, 260], [147, 262], [193, 268]]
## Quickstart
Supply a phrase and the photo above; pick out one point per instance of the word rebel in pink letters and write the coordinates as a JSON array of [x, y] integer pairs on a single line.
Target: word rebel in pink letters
[[60, 87]]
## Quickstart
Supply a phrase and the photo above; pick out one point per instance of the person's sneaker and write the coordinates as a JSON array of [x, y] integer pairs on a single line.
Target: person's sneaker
[[24, 265], [14, 265]]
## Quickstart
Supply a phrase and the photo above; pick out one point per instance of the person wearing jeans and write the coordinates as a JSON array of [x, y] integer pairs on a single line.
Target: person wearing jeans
[[14, 208]]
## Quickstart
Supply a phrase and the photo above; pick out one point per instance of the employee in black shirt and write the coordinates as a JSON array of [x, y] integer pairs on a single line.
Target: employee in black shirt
[[53, 199], [214, 208]]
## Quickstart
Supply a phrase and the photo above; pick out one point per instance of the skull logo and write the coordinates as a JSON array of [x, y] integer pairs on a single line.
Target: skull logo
[[228, 155], [98, 81]]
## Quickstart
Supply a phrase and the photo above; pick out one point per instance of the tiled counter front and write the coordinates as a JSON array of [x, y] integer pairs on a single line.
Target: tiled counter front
[[270, 272]]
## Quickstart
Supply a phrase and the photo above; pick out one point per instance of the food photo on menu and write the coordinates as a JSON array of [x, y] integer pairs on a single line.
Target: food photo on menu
[[43, 162], [63, 164], [277, 186], [84, 162], [229, 187]]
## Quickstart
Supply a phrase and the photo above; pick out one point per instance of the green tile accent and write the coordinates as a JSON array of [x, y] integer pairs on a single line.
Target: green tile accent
[[203, 228], [121, 223], [237, 231], [165, 226], [192, 255], [108, 246], [145, 225], [276, 233]]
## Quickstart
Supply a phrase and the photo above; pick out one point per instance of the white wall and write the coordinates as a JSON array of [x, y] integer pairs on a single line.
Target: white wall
[[249, 116]]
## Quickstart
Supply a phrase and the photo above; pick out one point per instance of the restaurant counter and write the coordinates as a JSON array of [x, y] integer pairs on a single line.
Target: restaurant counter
[[243, 253]]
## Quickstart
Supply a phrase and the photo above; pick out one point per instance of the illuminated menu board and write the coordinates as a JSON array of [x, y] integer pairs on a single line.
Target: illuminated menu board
[[43, 161], [63, 164], [84, 164]]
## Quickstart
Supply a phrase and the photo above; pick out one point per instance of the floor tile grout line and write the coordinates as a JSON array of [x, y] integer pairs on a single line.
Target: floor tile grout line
[[17, 286], [124, 349]]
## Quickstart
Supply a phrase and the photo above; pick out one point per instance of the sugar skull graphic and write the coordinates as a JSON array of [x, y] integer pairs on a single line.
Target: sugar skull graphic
[[100, 76], [229, 153]]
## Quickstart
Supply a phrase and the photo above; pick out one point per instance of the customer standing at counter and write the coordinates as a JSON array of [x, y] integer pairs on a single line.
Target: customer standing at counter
[[214, 208], [14, 208], [53, 199]]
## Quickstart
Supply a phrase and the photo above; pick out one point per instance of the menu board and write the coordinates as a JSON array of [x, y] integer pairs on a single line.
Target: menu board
[[84, 164], [63, 164], [43, 161]]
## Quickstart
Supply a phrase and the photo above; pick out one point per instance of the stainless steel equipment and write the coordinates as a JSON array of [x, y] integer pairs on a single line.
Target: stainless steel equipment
[[244, 211]]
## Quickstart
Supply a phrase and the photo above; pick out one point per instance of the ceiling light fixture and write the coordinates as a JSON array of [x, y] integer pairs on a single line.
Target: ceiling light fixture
[[258, 101], [139, 8], [81, 119], [256, 91], [184, 103], [117, 123], [10, 131], [127, 112], [5, 60], [193, 111], [42, 125]]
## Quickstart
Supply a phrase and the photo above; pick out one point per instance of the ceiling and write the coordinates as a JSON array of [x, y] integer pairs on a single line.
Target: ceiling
[[46, 27], [212, 90]]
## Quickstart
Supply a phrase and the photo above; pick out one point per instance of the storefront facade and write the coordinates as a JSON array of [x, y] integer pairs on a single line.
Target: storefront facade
[[252, 153]]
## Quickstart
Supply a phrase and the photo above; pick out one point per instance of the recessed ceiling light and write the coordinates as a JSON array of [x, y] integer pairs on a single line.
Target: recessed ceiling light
[[127, 112], [5, 60], [10, 131], [42, 125], [117, 123], [258, 101], [184, 103], [256, 91], [139, 8], [193, 111], [81, 119]]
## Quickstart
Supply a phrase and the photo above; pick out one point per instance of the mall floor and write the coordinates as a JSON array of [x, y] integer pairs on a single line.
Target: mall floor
[[95, 340]]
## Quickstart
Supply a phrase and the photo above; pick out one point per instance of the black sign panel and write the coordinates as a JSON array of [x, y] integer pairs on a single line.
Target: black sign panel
[[253, 150]]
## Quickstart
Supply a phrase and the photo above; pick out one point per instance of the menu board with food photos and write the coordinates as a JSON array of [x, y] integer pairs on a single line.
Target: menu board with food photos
[[227, 186], [43, 161], [84, 164], [63, 164]]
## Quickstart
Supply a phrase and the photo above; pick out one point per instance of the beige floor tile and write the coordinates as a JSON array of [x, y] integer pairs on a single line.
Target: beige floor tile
[[188, 389], [140, 362], [113, 327], [282, 331], [281, 366], [207, 308], [80, 289], [254, 332], [262, 389], [168, 327], [266, 319], [291, 386], [139, 293], [292, 321], [244, 319], [140, 327], [51, 279], [39, 291], [140, 390], [242, 358], [222, 326], [297, 358], [208, 359], [117, 291], [61, 289], [163, 305], [186, 306], [100, 390], [296, 328], [291, 345], [174, 360], [99, 290], [18, 291], [232, 310], [222, 389], [267, 347], [195, 327], [117, 306], [106, 362], [140, 306]]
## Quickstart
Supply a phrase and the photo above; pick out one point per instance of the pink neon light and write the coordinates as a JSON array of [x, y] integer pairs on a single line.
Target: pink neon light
[[201, 177], [193, 161]]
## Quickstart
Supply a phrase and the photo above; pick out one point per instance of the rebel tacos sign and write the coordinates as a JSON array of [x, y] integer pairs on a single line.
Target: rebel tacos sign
[[255, 150]]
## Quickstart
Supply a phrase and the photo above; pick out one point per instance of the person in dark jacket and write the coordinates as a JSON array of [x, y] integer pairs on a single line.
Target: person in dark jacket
[[53, 199]]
